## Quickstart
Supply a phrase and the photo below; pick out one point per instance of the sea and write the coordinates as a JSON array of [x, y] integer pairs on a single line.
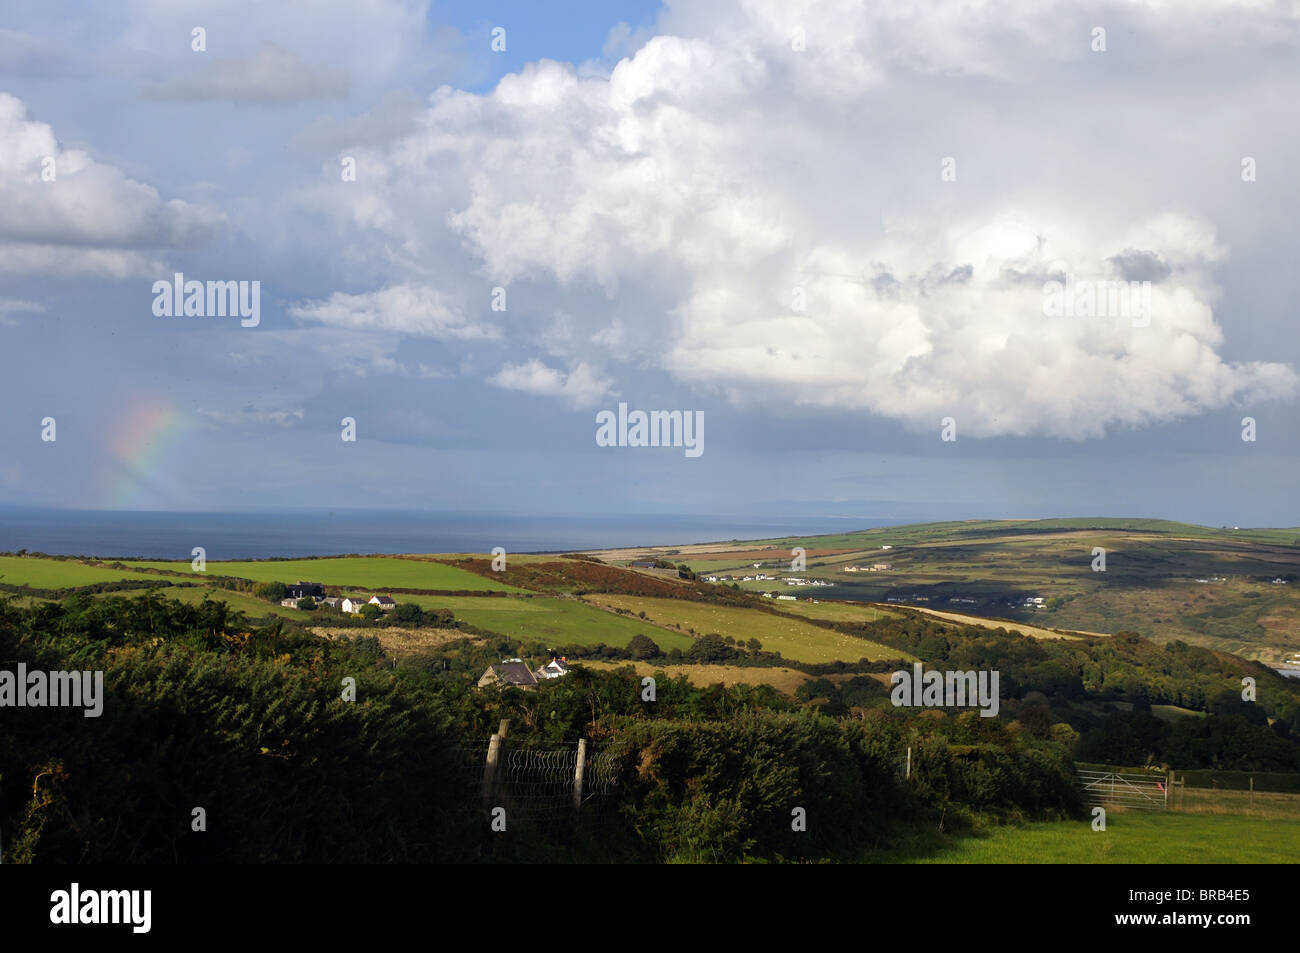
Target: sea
[[297, 533]]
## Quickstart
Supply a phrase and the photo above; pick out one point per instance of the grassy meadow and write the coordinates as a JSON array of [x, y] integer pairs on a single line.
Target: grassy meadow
[[254, 607], [836, 611], [1131, 837], [556, 621], [61, 573], [377, 573], [793, 638]]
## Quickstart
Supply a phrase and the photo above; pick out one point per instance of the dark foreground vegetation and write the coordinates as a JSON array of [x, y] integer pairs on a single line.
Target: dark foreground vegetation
[[250, 724]]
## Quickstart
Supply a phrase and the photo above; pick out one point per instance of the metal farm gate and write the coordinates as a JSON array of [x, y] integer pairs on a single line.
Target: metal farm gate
[[1141, 792]]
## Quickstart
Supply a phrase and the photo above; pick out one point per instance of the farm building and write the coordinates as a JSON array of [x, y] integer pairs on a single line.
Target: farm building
[[509, 672], [303, 590]]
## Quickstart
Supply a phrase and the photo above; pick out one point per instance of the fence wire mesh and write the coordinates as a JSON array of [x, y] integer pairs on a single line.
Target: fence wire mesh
[[536, 786]]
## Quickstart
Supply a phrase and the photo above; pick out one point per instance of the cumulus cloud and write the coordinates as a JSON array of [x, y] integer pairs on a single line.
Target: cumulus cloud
[[581, 387], [271, 75], [768, 174], [61, 212]]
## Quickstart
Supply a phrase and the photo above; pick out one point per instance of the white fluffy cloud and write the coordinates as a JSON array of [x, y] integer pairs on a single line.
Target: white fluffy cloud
[[89, 218], [582, 386], [784, 209]]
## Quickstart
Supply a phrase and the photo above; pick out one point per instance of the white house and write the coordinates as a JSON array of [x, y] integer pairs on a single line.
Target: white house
[[384, 602], [786, 598], [352, 605], [555, 668]]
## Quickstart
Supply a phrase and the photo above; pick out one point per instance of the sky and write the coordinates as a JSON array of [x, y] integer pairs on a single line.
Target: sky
[[927, 261]]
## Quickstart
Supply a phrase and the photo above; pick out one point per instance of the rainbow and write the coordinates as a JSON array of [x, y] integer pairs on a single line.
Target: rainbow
[[138, 442]]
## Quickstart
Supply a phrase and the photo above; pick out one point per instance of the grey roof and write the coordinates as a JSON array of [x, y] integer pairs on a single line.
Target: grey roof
[[516, 673]]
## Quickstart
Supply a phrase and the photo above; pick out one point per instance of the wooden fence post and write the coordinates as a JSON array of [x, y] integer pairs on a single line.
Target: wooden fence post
[[490, 766], [908, 771], [1252, 792], [577, 773], [493, 756]]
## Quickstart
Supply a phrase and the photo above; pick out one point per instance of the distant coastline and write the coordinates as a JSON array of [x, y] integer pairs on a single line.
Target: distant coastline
[[301, 533]]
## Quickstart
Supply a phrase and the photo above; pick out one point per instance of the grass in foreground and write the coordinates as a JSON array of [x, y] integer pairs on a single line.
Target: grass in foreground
[[1129, 838]]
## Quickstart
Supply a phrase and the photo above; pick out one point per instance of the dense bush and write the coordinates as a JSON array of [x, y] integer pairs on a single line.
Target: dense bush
[[251, 725]]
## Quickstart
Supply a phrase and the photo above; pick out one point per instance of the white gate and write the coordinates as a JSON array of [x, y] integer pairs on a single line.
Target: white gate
[[1140, 792]]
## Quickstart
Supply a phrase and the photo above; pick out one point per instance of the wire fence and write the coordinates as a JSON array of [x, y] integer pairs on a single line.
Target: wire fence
[[535, 786]]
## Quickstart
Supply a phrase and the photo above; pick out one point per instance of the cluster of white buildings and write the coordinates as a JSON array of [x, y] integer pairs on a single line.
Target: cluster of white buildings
[[349, 604], [875, 567], [757, 577]]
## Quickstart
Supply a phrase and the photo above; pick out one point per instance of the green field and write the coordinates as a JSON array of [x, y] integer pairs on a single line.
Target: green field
[[238, 601], [375, 573], [1129, 838], [551, 620], [836, 611], [59, 573], [1164, 580], [793, 638]]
